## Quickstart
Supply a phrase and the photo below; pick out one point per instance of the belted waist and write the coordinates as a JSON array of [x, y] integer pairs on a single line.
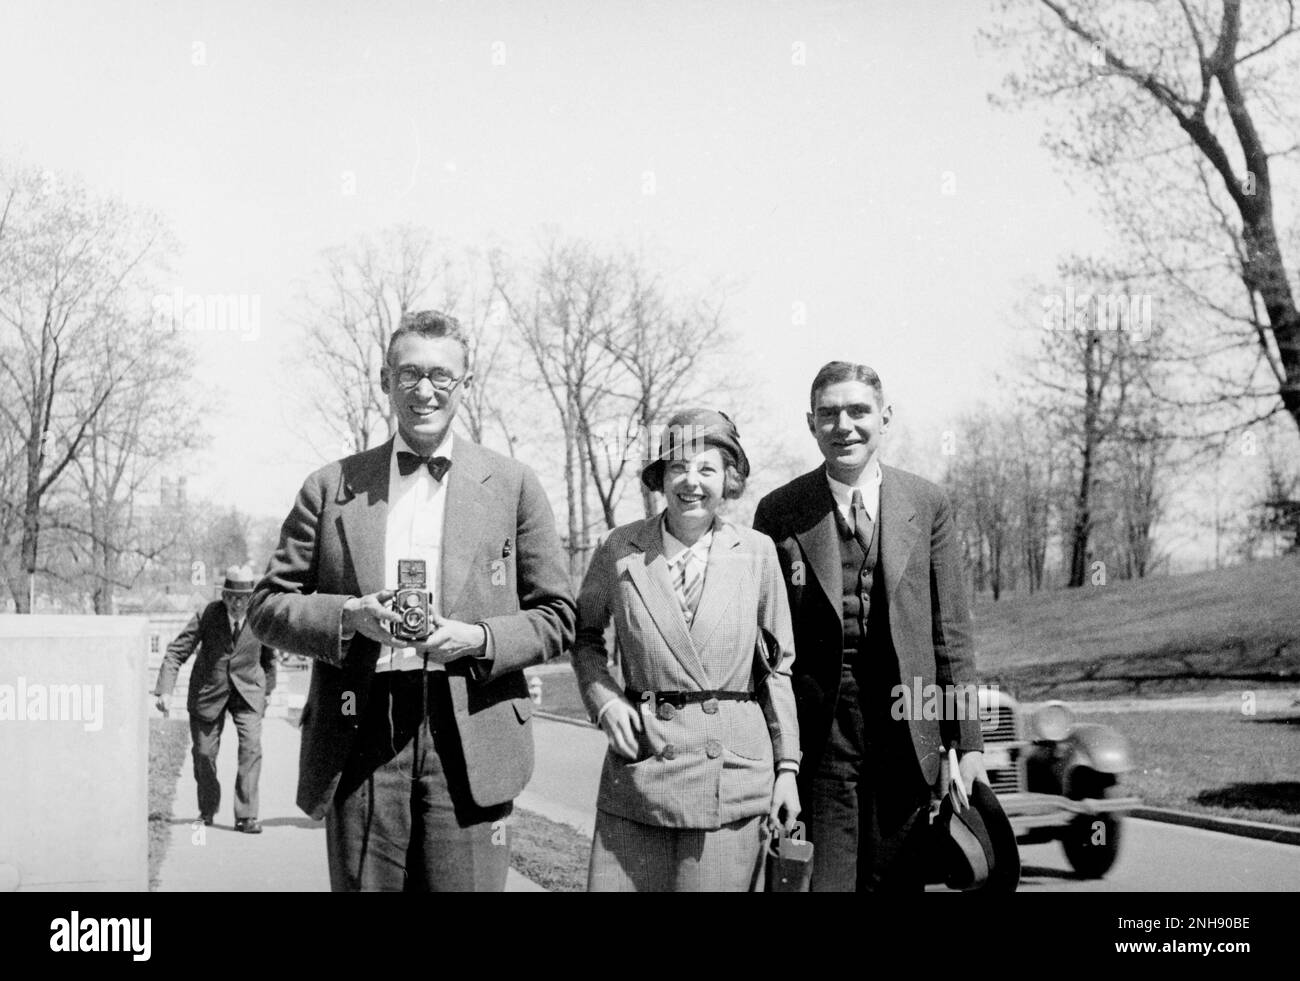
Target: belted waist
[[677, 699]]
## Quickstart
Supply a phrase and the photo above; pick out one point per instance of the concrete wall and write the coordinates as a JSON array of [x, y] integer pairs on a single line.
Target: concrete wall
[[73, 760]]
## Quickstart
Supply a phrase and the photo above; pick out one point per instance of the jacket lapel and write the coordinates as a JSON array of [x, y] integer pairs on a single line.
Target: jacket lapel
[[465, 521], [363, 494], [898, 529], [820, 540], [722, 578], [649, 574]]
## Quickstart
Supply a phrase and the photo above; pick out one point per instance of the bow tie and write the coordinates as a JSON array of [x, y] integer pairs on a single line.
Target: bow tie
[[408, 463]]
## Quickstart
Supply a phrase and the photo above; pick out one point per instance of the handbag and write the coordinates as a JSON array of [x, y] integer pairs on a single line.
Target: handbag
[[765, 659], [789, 861]]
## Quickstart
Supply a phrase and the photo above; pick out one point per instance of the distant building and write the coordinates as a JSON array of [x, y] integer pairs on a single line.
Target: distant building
[[168, 609]]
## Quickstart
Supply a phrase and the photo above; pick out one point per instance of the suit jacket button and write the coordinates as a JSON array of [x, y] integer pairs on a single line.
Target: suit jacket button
[[710, 706], [713, 749], [669, 751], [665, 711]]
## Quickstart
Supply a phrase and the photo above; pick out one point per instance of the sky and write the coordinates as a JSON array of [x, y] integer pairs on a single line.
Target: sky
[[837, 163]]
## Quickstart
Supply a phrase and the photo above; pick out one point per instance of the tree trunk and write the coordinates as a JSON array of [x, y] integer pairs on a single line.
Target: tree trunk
[[1091, 438], [996, 548], [571, 498], [1082, 524]]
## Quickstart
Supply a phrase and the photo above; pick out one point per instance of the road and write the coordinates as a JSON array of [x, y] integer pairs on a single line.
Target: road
[[1154, 856]]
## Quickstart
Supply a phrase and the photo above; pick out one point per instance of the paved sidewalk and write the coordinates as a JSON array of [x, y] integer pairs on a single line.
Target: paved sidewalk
[[290, 853]]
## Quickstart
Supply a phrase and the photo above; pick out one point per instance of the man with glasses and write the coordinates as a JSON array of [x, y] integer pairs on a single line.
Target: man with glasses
[[413, 751]]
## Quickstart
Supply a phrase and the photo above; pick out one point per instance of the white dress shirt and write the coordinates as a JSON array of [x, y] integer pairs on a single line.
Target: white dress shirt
[[416, 505], [868, 482]]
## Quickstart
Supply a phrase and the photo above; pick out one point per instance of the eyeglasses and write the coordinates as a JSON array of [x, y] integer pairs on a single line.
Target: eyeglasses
[[409, 378]]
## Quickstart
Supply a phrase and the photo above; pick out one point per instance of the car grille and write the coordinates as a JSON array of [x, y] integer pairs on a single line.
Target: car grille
[[1000, 734], [999, 729]]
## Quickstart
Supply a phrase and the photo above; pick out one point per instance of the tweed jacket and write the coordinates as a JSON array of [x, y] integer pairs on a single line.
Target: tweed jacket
[[501, 565], [702, 766], [222, 663]]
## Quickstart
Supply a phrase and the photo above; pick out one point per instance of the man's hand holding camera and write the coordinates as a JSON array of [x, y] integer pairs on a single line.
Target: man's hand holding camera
[[370, 616], [404, 618], [451, 640]]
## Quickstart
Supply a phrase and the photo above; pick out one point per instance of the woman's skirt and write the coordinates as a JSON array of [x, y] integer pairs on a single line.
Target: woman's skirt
[[628, 856]]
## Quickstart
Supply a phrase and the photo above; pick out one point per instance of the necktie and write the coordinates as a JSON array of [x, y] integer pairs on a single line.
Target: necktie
[[859, 520], [690, 585], [408, 463], [234, 634]]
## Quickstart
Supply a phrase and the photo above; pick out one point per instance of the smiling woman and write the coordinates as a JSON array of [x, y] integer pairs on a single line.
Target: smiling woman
[[687, 792]]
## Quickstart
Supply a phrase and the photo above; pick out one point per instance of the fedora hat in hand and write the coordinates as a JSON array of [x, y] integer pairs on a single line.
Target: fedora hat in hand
[[975, 849]]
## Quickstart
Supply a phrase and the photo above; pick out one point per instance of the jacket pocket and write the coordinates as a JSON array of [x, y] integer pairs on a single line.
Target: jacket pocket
[[747, 734]]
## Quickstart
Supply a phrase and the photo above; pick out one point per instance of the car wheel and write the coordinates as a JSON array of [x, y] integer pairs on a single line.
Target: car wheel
[[1091, 842]]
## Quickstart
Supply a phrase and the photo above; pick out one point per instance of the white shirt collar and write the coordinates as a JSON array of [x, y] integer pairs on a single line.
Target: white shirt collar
[[868, 482], [675, 550]]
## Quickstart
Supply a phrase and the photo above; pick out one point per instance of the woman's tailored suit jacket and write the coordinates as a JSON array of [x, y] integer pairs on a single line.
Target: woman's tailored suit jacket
[[701, 765]]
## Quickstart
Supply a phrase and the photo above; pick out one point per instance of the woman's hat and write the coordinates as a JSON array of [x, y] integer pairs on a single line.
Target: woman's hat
[[239, 579], [687, 433]]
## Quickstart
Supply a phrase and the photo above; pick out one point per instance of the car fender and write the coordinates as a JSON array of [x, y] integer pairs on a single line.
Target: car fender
[[1098, 748]]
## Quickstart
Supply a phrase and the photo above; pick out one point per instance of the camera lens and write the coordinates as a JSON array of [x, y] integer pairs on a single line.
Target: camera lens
[[413, 619]]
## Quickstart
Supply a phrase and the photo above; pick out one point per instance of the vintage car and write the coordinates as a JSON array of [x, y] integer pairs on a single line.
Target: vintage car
[[1057, 778]]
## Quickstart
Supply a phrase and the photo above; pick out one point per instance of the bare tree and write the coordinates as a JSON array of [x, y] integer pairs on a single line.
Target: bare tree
[[71, 267], [1184, 111], [1275, 514], [349, 313], [1096, 367], [142, 427], [483, 314], [348, 317], [561, 312], [1036, 472], [1142, 464], [663, 345], [982, 480]]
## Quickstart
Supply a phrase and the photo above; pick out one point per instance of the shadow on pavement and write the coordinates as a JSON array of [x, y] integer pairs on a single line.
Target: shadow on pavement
[[1279, 796]]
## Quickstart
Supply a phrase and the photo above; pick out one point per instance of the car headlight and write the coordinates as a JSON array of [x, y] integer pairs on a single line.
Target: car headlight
[[1053, 722]]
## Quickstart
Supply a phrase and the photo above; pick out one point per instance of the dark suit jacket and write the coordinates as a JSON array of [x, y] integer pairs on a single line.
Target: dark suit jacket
[[501, 564], [929, 621], [248, 665]]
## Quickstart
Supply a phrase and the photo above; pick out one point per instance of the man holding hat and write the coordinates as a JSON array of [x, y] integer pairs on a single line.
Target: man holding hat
[[874, 577], [235, 673]]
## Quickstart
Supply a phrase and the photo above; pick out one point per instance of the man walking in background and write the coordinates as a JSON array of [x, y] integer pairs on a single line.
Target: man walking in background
[[233, 673]]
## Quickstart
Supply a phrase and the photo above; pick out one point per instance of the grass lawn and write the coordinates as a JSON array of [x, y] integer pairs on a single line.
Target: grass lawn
[[1203, 632], [551, 854], [169, 743], [1222, 763]]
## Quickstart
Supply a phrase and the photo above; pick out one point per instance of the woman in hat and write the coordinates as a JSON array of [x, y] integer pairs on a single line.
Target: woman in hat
[[703, 737]]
